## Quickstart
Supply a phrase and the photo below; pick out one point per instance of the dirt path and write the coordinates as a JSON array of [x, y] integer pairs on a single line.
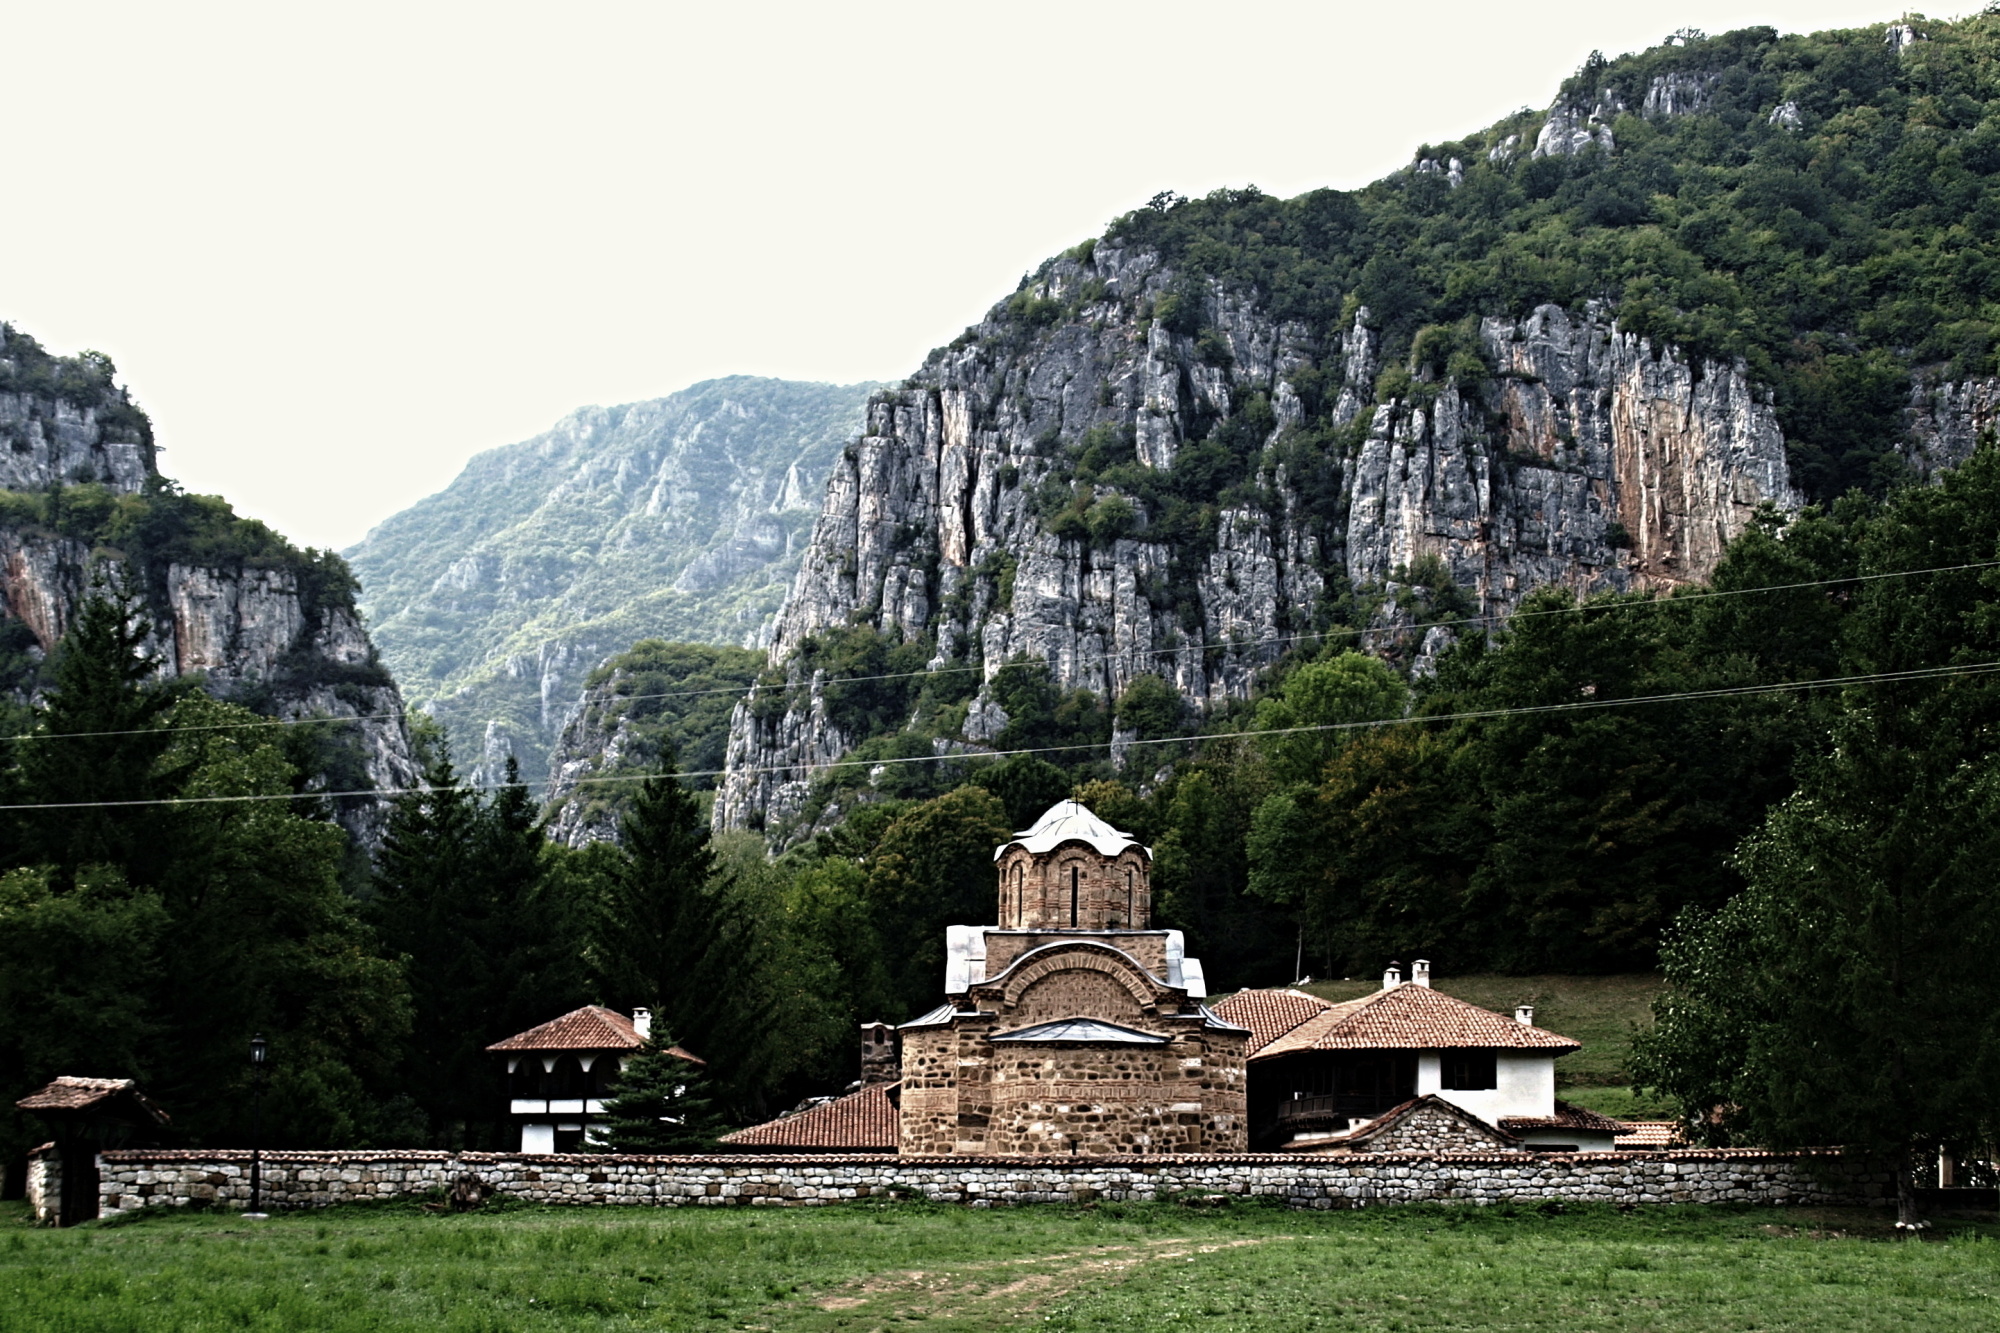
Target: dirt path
[[983, 1295]]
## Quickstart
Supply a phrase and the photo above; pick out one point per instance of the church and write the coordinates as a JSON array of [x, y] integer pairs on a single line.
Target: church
[[1070, 1026]]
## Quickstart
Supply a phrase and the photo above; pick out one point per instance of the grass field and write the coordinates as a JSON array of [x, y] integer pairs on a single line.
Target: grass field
[[888, 1266], [1600, 1012]]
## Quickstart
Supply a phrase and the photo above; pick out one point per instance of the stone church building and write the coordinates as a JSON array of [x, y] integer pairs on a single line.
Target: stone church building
[[1070, 1026]]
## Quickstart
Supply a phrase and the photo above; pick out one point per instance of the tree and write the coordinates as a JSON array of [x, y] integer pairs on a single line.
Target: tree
[[1341, 690], [672, 934], [253, 888], [98, 743], [661, 1102], [1848, 995], [464, 896], [933, 868]]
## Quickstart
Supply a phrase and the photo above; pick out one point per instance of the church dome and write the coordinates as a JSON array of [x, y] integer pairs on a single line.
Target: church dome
[[1070, 821]]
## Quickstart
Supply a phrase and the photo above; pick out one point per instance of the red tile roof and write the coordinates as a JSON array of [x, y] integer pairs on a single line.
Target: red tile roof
[[591, 1028], [864, 1121], [1269, 1014], [70, 1093], [1407, 1017], [1567, 1116], [1648, 1134]]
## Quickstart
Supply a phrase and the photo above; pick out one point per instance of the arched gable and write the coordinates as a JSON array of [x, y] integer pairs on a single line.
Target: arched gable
[[1084, 955]]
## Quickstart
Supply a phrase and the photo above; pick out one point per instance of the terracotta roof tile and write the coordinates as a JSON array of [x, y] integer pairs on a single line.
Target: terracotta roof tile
[[1567, 1116], [1413, 1017], [1269, 1014], [70, 1093], [591, 1028], [1637, 1134], [864, 1121]]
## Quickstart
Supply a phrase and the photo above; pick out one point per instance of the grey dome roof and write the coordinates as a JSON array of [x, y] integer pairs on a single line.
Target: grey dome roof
[[1071, 821]]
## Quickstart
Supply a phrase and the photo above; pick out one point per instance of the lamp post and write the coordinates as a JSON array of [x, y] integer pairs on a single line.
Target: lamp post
[[260, 1056]]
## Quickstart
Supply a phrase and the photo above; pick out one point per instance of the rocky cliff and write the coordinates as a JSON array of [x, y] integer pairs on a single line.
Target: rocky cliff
[[1580, 347], [681, 518], [1586, 456], [258, 621]]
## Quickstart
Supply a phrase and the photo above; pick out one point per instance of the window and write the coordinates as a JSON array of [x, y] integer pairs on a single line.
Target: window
[[1469, 1071], [1073, 875]]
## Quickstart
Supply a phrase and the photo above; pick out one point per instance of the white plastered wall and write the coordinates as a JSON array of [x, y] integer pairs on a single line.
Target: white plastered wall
[[1527, 1086]]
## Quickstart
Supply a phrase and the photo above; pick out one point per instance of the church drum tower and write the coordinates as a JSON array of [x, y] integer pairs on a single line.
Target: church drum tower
[[1071, 1027]]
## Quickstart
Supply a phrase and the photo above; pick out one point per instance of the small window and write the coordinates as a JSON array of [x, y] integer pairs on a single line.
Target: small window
[[1469, 1071]]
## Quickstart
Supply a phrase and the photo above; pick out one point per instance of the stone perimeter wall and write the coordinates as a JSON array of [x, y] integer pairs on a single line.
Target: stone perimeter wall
[[160, 1179]]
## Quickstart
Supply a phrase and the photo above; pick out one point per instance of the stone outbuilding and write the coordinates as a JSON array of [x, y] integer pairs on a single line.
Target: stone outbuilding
[[86, 1116], [559, 1073], [1071, 1026]]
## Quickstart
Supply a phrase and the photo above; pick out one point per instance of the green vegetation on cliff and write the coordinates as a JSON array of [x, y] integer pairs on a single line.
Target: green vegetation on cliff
[[1825, 206]]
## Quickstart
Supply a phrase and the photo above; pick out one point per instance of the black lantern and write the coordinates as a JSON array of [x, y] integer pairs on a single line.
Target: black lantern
[[260, 1066]]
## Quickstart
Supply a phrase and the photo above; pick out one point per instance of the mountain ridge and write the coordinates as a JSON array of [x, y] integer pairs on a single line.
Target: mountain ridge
[[675, 517]]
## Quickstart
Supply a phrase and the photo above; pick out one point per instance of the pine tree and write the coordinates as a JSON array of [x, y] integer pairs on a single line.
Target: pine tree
[[673, 933], [100, 738], [662, 1103]]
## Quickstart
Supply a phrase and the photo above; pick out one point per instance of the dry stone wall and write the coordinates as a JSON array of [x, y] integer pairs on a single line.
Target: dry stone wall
[[139, 1179]]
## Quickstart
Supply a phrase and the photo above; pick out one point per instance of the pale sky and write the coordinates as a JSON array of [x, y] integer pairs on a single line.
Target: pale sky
[[336, 250]]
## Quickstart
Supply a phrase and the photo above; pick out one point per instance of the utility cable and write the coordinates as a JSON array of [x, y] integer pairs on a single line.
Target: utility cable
[[1415, 719], [1673, 600]]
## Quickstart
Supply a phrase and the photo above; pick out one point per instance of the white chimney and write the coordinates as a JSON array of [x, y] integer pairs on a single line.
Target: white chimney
[[1393, 977], [642, 1023], [1420, 971], [1524, 1014]]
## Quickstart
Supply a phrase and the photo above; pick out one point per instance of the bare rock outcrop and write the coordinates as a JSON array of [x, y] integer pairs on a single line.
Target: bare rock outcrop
[[1587, 457]]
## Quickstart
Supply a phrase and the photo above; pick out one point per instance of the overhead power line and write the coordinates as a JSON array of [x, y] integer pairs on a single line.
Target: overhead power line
[[1524, 710], [1676, 600]]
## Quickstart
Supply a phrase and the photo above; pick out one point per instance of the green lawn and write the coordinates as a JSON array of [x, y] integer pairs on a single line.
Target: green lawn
[[1600, 1012], [878, 1266]]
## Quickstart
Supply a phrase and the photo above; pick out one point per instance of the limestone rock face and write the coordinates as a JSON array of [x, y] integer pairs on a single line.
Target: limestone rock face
[[1945, 419], [250, 632], [1589, 458]]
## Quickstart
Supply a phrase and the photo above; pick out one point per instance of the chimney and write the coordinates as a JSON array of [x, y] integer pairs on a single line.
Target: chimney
[[1524, 1014], [642, 1023], [1420, 971], [1393, 977], [878, 1054]]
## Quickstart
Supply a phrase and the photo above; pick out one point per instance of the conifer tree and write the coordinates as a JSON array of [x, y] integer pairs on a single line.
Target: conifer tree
[[671, 931], [99, 743], [662, 1102]]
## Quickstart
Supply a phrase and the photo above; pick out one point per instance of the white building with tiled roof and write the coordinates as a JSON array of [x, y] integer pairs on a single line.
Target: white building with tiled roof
[[1321, 1071], [559, 1072]]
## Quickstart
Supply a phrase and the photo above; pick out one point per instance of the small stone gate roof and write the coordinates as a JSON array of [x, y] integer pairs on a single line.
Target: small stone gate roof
[[71, 1095], [864, 1121], [1070, 821]]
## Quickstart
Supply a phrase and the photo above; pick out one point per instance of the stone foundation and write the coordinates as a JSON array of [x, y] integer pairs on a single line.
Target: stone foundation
[[159, 1179]]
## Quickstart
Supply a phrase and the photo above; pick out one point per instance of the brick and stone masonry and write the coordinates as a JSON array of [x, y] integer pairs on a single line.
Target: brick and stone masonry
[[190, 1179]]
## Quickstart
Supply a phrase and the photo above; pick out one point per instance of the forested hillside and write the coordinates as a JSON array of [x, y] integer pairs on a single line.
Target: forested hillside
[[681, 517], [1579, 348]]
